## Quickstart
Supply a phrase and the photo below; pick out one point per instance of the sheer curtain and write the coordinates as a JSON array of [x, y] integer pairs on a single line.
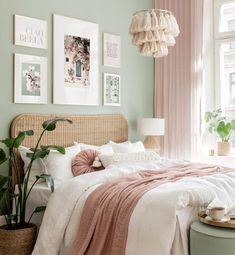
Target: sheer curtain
[[178, 82]]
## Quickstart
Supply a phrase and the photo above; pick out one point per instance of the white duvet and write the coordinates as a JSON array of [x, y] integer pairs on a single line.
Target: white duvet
[[159, 223]]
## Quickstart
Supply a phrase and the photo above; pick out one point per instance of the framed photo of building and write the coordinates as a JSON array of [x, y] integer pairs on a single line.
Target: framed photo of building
[[30, 79], [30, 32], [112, 89], [76, 61], [111, 50]]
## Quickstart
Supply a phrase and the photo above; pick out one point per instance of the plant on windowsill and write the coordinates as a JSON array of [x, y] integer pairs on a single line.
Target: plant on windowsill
[[19, 234], [222, 127]]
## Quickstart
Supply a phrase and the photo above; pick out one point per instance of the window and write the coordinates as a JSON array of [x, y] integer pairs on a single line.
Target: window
[[225, 54], [224, 34]]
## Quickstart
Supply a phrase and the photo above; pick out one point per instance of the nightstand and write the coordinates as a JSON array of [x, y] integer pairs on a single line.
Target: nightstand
[[209, 240]]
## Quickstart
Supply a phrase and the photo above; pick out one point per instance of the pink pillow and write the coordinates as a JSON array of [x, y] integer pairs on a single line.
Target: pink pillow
[[83, 162]]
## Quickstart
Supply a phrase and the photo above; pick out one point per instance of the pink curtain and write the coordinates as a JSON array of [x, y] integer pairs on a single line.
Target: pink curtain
[[178, 82]]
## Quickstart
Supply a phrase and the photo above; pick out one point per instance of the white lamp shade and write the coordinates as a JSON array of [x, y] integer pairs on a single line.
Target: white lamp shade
[[151, 127]]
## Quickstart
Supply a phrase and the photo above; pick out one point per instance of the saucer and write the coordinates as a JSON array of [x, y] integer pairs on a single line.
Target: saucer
[[226, 218]]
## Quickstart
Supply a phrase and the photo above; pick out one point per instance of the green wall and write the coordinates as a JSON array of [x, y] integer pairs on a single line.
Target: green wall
[[113, 16]]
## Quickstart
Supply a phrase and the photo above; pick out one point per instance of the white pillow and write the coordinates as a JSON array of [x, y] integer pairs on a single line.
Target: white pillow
[[127, 147], [104, 149], [55, 164], [59, 165], [118, 158], [37, 166]]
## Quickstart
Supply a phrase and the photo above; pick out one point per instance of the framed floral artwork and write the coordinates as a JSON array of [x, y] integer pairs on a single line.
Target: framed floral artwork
[[111, 50], [30, 32], [76, 61], [30, 79], [112, 89]]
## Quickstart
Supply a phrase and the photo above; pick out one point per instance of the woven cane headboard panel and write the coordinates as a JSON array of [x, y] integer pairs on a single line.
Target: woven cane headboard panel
[[90, 129]]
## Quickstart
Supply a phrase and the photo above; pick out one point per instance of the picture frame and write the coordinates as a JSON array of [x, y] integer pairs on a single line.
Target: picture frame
[[112, 89], [30, 79], [76, 61], [30, 32], [111, 50]]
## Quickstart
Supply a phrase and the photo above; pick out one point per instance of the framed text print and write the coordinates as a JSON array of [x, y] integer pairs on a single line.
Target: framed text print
[[76, 62], [30, 32], [111, 50], [30, 79], [112, 89]]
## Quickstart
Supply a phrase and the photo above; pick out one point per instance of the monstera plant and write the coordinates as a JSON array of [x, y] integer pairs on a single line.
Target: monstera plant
[[222, 127], [13, 199]]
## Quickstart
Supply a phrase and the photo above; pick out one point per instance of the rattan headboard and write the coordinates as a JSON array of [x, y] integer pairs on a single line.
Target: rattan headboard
[[90, 129]]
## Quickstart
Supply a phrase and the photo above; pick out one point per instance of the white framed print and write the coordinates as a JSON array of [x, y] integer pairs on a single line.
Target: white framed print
[[111, 50], [30, 32], [76, 62], [112, 89], [30, 79]]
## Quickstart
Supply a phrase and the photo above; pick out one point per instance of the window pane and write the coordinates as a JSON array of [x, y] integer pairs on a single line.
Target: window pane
[[227, 74], [227, 17]]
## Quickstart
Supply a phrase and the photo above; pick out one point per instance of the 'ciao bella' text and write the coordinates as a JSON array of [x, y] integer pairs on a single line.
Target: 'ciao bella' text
[[35, 36]]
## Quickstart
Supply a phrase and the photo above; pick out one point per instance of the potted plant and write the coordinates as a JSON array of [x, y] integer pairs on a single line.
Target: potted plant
[[222, 127], [18, 236]]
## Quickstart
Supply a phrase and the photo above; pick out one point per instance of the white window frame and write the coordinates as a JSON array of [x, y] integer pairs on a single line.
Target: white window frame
[[219, 39]]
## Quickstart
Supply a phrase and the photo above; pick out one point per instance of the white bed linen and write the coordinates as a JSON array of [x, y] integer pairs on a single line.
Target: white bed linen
[[39, 196], [159, 223]]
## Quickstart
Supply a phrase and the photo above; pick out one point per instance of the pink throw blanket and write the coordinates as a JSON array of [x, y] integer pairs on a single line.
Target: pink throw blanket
[[104, 222]]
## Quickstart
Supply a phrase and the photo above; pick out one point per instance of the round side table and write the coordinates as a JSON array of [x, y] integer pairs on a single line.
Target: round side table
[[209, 240]]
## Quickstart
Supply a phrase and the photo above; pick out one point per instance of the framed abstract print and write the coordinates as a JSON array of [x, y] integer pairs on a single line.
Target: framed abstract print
[[112, 89], [30, 79], [30, 32], [76, 61], [111, 50]]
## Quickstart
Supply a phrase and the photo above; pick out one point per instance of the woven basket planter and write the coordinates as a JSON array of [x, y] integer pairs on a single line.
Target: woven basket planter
[[17, 242]]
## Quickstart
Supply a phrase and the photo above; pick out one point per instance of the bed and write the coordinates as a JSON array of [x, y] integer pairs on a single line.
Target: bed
[[161, 219]]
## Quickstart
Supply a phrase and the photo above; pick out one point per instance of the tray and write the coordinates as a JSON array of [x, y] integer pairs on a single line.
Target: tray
[[202, 217]]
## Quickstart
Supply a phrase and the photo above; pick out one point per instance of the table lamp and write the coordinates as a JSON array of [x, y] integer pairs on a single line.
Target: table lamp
[[151, 128]]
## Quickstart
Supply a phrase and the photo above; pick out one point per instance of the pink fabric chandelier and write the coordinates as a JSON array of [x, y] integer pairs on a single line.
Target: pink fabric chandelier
[[154, 31]]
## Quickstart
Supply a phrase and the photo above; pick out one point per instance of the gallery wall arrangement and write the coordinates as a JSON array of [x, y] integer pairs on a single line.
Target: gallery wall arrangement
[[75, 62], [35, 42]]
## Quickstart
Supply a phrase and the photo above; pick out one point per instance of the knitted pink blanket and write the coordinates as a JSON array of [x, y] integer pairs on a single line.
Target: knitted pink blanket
[[104, 222]]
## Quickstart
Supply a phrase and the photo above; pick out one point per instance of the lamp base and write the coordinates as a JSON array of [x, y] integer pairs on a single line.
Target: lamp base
[[151, 143]]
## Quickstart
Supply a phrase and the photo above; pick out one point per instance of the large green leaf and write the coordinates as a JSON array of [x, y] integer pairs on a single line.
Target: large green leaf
[[233, 124], [3, 156], [4, 181], [16, 142], [49, 180], [224, 130], [40, 153], [20, 138], [50, 125], [8, 142], [60, 149], [40, 209]]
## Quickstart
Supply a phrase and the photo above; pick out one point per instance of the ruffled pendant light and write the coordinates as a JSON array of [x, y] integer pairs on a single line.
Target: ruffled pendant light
[[154, 31]]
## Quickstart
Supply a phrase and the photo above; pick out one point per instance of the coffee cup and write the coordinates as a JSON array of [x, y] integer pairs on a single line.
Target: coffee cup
[[216, 213]]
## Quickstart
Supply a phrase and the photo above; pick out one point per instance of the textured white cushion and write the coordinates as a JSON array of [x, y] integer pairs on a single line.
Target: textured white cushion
[[59, 165], [127, 147], [55, 164], [118, 158], [37, 166], [104, 149]]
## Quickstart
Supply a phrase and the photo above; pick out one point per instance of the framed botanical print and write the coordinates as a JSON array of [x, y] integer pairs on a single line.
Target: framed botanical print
[[112, 89], [30, 79], [30, 32], [76, 61], [111, 50]]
